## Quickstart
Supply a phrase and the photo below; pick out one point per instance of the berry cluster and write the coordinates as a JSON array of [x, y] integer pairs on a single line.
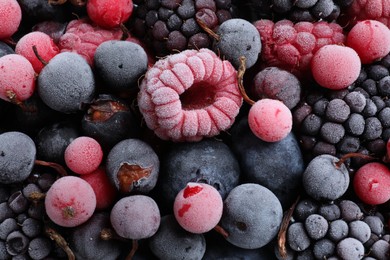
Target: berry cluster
[[194, 129]]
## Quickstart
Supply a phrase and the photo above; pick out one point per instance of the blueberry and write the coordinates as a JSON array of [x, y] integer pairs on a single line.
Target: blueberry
[[208, 161], [238, 37], [132, 165], [5, 49], [252, 216], [338, 230], [297, 237], [66, 83], [16, 164], [120, 64]]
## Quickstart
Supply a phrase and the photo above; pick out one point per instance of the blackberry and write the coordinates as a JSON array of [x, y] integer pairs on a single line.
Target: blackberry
[[170, 26], [356, 119]]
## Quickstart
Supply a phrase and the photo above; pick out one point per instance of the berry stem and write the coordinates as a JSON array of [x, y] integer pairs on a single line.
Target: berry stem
[[110, 234], [60, 241], [208, 30], [56, 2], [283, 229], [221, 231], [133, 250], [240, 77], [39, 56], [59, 168], [351, 155], [125, 32], [36, 196]]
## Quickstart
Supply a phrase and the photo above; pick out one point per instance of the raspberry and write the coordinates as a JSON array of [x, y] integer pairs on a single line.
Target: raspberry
[[190, 95], [83, 36], [291, 46], [46, 48], [109, 13], [10, 16], [170, 26], [335, 66], [370, 39], [17, 78], [361, 10]]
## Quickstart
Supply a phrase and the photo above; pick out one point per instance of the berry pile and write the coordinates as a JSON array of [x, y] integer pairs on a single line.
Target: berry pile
[[194, 129]]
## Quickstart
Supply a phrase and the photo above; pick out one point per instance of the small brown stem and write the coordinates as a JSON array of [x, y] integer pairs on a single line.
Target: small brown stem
[[61, 170], [39, 57], [221, 231], [208, 30], [240, 77], [11, 95], [60, 241], [283, 229], [125, 32], [36, 196], [351, 155], [110, 234], [56, 2], [133, 250]]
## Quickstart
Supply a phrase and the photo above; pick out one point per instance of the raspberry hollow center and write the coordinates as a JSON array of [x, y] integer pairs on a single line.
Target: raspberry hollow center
[[200, 95]]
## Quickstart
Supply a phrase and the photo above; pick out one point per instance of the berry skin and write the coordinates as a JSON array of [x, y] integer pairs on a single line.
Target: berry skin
[[10, 16], [371, 183], [83, 155], [135, 217], [70, 201], [105, 192], [335, 67], [190, 95], [45, 45], [109, 13], [198, 207], [270, 120], [361, 10], [17, 78], [370, 39]]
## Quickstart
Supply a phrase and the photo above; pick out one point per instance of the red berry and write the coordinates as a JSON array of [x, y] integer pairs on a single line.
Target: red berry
[[105, 192], [46, 48], [370, 39], [17, 78], [335, 67], [371, 183], [83, 155], [70, 201], [198, 207], [10, 17], [109, 13], [190, 95], [270, 120]]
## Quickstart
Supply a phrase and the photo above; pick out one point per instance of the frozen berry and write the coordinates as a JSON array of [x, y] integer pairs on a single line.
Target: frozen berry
[[45, 49], [371, 183], [11, 16], [190, 95], [17, 78], [370, 39], [70, 201], [83, 155], [135, 217], [270, 120], [335, 66], [109, 13], [198, 207]]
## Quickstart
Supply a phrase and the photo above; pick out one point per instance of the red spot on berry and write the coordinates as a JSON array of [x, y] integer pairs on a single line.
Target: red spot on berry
[[184, 209], [191, 191]]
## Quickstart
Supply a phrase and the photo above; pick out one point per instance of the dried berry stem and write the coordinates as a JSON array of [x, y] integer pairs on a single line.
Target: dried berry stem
[[125, 32], [39, 57], [208, 30], [240, 77], [60, 241], [351, 155], [59, 168], [36, 196], [283, 229], [221, 231], [56, 2], [133, 250]]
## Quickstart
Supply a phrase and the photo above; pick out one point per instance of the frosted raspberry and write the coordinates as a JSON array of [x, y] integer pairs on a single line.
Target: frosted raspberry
[[361, 10], [190, 95], [291, 46], [10, 17], [83, 36]]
